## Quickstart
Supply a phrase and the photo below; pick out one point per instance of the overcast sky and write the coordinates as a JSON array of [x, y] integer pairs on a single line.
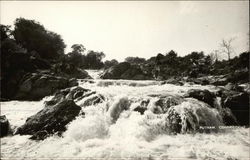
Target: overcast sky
[[134, 28]]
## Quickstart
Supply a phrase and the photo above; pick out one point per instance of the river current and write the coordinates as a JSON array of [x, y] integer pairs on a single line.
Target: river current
[[109, 132]]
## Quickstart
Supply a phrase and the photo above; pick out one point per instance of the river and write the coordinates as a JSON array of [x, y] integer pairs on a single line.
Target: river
[[132, 135]]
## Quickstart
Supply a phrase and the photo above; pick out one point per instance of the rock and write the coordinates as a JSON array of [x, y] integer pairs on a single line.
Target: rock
[[70, 71], [37, 86], [50, 120], [4, 126], [228, 118], [14, 65], [234, 87], [134, 73], [69, 94], [173, 121], [190, 116], [200, 80], [40, 135], [238, 102], [142, 107], [116, 71], [76, 94], [246, 87], [10, 84], [174, 81], [165, 102], [202, 95], [92, 100], [125, 70], [73, 82], [239, 76], [221, 80]]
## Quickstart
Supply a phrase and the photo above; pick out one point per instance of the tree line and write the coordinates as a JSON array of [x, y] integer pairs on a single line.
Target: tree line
[[31, 38]]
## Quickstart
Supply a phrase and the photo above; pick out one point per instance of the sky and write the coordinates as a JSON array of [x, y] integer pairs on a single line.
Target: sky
[[139, 28]]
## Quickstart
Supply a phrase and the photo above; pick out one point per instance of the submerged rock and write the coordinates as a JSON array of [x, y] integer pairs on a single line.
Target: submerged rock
[[174, 81], [202, 95], [142, 107], [50, 120], [190, 116], [4, 126]]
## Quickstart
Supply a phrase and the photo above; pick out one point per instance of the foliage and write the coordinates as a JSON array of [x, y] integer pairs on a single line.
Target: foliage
[[135, 60], [34, 37], [108, 64], [92, 60]]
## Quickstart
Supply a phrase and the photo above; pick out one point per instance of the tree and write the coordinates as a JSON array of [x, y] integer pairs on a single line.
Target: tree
[[76, 57], [214, 56], [5, 32], [78, 48], [93, 60], [171, 58], [243, 60], [226, 47], [135, 60], [158, 59], [108, 64], [34, 37]]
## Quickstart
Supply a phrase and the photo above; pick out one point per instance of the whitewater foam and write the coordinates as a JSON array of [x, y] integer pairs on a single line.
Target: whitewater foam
[[114, 130]]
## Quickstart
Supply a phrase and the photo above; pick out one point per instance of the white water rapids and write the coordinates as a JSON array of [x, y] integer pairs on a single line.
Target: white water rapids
[[132, 136]]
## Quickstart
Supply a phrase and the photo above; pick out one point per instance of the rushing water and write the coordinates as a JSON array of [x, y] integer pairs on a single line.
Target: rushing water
[[108, 131]]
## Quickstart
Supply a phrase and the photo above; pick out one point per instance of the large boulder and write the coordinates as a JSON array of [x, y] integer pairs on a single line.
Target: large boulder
[[83, 97], [50, 120], [70, 71], [14, 65], [202, 95], [238, 102], [134, 73], [125, 70], [191, 116], [4, 126], [116, 71], [36, 86]]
